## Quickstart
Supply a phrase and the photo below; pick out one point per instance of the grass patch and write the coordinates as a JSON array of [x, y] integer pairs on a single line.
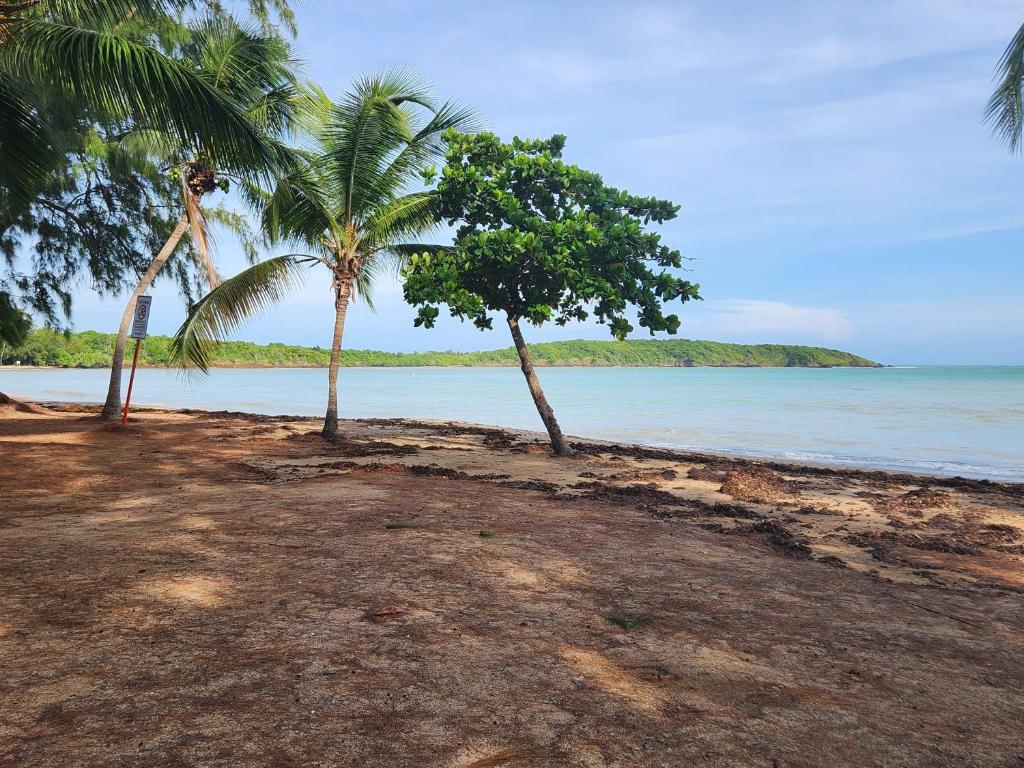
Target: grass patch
[[627, 621], [485, 534]]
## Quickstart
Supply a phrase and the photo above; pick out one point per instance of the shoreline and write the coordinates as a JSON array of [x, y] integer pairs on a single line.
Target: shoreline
[[536, 364], [788, 416], [588, 444], [789, 498]]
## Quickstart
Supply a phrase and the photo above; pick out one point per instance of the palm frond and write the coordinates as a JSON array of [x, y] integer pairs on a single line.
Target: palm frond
[[149, 143], [88, 13], [297, 211], [386, 262], [254, 67], [228, 305], [313, 110], [400, 218], [122, 76], [1005, 109], [205, 263], [397, 85], [364, 282], [276, 110], [425, 147], [25, 144], [368, 127]]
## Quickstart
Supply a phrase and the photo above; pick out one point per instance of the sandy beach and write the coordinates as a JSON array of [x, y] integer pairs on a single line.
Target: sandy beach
[[222, 589]]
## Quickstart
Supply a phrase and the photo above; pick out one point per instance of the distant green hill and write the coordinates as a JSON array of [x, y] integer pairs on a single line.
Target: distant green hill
[[90, 349]]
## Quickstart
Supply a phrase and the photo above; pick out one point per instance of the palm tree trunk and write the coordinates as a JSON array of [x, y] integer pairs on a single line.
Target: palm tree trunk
[[343, 290], [112, 406], [547, 415]]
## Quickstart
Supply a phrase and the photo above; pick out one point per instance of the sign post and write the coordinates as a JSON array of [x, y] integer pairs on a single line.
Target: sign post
[[140, 323]]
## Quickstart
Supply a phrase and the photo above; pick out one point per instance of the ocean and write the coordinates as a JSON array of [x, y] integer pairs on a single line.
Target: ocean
[[966, 421]]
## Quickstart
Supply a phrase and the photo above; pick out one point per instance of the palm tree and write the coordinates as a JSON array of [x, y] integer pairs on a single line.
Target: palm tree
[[84, 49], [1005, 109], [90, 53], [348, 205], [255, 68]]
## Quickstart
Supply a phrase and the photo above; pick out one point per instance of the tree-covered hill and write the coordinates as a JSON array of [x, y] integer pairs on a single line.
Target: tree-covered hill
[[89, 349]]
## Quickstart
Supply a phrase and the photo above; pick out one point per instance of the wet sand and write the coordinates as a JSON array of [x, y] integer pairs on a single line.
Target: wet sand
[[220, 589]]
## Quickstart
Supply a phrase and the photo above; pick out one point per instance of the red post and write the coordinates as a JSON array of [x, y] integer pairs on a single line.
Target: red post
[[131, 381]]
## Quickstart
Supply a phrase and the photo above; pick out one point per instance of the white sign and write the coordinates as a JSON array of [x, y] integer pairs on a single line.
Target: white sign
[[141, 321]]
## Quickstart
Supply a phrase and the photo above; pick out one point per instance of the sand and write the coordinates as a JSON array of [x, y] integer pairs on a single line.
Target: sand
[[227, 590]]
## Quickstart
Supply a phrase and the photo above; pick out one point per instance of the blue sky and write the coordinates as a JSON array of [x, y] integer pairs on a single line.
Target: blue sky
[[837, 183]]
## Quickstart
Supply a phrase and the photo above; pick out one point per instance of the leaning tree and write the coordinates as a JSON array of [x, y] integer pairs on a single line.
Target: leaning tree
[[73, 76], [542, 240], [254, 68]]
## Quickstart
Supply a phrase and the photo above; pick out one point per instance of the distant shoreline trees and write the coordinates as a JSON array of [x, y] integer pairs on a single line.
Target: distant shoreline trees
[[90, 349]]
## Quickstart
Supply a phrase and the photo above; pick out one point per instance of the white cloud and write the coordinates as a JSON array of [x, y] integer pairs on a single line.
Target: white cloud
[[803, 41], [774, 319], [882, 112]]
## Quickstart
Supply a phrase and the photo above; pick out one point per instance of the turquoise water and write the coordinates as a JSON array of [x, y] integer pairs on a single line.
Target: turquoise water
[[945, 420]]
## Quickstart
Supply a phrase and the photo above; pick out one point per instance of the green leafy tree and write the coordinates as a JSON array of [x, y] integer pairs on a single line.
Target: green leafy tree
[[541, 240], [1005, 109], [80, 71], [256, 69], [348, 207]]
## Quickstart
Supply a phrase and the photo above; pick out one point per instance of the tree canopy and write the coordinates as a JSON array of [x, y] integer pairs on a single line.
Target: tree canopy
[[543, 240]]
